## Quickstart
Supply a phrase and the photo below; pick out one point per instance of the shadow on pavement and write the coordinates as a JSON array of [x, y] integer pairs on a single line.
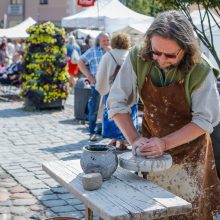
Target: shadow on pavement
[[74, 149], [83, 129]]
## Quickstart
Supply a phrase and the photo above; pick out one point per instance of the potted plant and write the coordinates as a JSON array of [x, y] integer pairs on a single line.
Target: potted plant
[[44, 77]]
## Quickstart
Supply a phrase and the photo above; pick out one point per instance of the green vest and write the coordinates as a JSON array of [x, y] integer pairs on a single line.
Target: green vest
[[192, 79]]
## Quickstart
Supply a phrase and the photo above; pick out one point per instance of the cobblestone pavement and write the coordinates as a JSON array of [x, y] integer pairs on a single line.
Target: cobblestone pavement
[[27, 139]]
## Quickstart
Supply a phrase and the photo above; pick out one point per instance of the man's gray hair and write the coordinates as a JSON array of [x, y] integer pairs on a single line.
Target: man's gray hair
[[175, 26], [97, 40]]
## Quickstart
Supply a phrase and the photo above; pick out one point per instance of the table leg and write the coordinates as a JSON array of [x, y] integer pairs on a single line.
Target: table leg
[[88, 213], [144, 175]]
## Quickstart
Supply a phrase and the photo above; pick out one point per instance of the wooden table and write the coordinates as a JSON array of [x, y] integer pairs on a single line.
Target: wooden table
[[124, 196]]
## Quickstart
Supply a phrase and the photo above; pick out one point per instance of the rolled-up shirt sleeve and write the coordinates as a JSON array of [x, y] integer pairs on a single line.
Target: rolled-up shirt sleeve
[[123, 93], [206, 104]]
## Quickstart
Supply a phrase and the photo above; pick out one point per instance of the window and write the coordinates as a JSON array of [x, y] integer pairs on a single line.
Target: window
[[43, 2], [16, 2]]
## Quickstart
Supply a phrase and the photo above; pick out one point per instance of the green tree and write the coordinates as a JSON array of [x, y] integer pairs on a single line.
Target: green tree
[[204, 34], [147, 7]]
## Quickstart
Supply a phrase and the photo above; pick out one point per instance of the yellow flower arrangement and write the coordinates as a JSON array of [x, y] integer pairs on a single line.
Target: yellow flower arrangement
[[45, 77]]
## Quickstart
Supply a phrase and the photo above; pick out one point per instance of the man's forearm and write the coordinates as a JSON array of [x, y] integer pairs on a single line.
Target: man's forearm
[[126, 126], [86, 72], [184, 135], [84, 69]]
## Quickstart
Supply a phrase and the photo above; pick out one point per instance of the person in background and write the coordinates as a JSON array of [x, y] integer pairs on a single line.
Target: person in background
[[10, 75], [72, 68], [106, 74], [88, 65], [86, 44], [3, 53], [6, 64], [10, 49], [18, 46], [181, 107]]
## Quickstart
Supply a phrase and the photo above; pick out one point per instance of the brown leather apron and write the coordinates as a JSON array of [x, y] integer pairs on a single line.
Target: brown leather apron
[[193, 175]]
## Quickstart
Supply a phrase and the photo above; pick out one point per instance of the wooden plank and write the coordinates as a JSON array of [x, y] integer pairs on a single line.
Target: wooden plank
[[118, 198], [175, 205], [102, 201]]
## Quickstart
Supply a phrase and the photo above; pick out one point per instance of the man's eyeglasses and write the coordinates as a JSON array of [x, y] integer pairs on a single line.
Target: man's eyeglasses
[[167, 55]]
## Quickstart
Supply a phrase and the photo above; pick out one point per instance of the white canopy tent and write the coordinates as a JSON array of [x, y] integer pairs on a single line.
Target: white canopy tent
[[83, 33], [136, 31], [110, 17], [18, 31], [215, 32]]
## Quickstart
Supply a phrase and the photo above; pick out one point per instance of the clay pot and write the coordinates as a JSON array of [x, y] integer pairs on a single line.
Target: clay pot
[[99, 159]]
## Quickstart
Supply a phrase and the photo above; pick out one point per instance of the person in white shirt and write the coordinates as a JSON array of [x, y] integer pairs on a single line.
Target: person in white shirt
[[106, 74]]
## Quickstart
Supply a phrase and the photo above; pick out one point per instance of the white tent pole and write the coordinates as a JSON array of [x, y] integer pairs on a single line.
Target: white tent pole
[[98, 12], [5, 21]]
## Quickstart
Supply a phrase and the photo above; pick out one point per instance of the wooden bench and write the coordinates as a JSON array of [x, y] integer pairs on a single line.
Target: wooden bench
[[124, 196]]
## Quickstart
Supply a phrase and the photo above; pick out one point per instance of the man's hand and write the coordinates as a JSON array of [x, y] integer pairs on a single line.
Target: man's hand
[[4, 76], [138, 142], [91, 79], [149, 148], [12, 77], [86, 72]]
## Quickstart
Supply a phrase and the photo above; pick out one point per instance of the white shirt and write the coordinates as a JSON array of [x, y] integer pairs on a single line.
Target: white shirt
[[106, 69]]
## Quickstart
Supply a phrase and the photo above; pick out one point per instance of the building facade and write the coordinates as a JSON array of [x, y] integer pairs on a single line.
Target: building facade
[[13, 12]]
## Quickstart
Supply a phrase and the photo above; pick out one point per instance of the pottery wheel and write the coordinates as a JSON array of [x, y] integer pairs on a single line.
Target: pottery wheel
[[137, 163]]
